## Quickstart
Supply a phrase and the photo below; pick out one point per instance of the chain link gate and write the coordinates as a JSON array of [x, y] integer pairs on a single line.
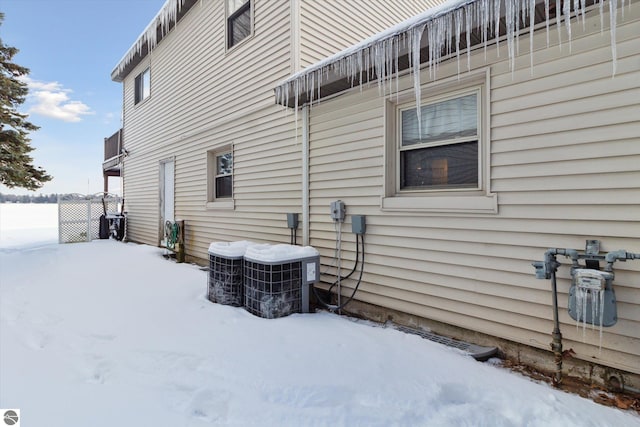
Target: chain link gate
[[79, 216]]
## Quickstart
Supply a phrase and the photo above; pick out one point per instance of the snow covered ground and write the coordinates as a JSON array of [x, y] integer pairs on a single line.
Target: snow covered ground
[[110, 334]]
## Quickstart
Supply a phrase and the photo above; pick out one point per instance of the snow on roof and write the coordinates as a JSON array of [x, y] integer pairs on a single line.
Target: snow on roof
[[444, 31], [397, 29], [167, 13]]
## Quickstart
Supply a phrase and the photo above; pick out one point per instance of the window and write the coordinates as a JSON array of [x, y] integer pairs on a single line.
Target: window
[[143, 86], [440, 151], [239, 25], [224, 176], [440, 162], [220, 178]]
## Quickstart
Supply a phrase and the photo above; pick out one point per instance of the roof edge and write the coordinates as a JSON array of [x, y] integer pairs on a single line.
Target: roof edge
[[161, 24]]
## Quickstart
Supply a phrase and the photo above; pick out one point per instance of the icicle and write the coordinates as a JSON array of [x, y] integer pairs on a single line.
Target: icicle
[[482, 10], [532, 19], [546, 16], [458, 26], [558, 23], [567, 20], [396, 54], [468, 17], [510, 18], [379, 60], [516, 18], [601, 302], [167, 14], [596, 296], [416, 38], [582, 296], [613, 22], [496, 15]]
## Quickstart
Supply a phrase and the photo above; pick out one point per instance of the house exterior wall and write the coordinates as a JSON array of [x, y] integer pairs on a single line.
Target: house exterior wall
[[204, 97], [562, 150], [342, 23]]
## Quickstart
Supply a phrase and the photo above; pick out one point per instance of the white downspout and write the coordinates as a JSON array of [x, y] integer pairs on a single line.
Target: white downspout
[[305, 175]]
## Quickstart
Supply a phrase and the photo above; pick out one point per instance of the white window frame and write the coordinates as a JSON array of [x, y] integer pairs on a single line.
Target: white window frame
[[439, 200], [213, 201], [142, 82], [228, 14]]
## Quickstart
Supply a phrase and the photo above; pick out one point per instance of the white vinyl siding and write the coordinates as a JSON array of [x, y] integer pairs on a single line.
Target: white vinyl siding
[[564, 156]]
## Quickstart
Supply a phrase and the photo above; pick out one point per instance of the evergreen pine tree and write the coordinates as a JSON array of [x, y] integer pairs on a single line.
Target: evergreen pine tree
[[16, 166]]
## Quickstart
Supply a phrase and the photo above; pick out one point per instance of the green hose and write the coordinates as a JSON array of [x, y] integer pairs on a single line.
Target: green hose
[[171, 231]]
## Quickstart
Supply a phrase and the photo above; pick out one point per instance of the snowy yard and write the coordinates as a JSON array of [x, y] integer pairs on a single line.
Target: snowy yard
[[109, 334]]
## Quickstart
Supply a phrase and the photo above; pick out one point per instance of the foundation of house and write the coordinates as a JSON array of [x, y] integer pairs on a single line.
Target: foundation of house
[[523, 358]]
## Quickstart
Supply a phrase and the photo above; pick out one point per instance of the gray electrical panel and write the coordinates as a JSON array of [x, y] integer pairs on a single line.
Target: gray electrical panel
[[358, 224], [292, 220], [338, 210]]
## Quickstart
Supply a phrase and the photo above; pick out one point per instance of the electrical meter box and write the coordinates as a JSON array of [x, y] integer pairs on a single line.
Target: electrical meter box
[[338, 210], [292, 221], [358, 224], [591, 297]]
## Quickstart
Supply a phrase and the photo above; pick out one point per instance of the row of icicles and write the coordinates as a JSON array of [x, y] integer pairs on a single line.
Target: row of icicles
[[443, 31]]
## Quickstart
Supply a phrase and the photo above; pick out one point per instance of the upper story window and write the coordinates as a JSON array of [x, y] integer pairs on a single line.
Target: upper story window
[[440, 151], [143, 86], [239, 22]]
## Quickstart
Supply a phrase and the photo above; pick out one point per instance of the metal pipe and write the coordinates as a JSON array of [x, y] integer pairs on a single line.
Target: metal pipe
[[556, 343], [619, 255]]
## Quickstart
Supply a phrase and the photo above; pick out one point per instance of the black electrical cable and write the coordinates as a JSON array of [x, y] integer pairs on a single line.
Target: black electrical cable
[[355, 289], [355, 265]]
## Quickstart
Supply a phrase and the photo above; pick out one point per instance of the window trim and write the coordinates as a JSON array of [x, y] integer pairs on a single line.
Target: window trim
[[212, 201], [235, 14], [447, 200], [139, 84]]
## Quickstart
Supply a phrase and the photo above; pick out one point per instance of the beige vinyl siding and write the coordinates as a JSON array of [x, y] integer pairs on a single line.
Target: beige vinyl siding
[[202, 98], [343, 23], [564, 156]]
